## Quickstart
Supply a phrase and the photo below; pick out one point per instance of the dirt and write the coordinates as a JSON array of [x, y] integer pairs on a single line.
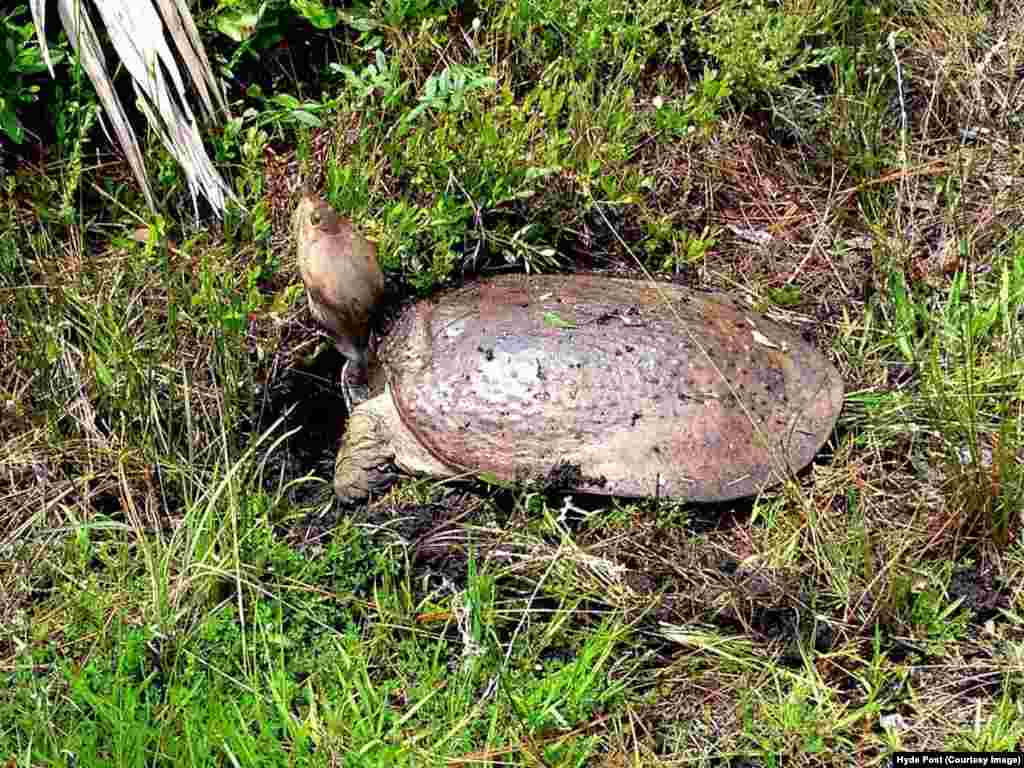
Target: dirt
[[566, 477], [982, 594], [307, 397]]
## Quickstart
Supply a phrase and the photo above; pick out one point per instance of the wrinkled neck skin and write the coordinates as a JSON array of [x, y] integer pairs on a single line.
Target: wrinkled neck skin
[[375, 444]]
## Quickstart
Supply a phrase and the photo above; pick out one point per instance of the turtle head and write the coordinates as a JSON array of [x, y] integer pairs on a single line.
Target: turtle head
[[344, 284], [314, 216]]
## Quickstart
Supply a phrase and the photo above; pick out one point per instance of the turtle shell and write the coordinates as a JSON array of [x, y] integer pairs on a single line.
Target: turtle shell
[[648, 388]]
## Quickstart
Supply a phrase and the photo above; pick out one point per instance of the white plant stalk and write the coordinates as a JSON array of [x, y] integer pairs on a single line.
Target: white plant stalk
[[137, 33]]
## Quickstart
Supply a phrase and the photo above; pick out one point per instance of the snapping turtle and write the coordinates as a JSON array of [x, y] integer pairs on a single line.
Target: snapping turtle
[[644, 388], [344, 283]]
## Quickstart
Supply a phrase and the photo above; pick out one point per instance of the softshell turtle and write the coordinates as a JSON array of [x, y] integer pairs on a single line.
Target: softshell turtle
[[344, 283], [648, 388]]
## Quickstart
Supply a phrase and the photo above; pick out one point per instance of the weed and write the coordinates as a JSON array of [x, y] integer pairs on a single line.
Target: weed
[[447, 91], [378, 84], [700, 110], [20, 59], [760, 49]]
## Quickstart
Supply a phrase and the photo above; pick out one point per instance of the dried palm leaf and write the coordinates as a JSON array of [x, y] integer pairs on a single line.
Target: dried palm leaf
[[137, 33]]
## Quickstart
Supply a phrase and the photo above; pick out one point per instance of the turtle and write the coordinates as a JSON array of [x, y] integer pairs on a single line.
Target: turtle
[[642, 388], [344, 284]]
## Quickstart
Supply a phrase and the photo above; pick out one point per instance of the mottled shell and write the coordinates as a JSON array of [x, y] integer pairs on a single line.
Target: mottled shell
[[652, 389]]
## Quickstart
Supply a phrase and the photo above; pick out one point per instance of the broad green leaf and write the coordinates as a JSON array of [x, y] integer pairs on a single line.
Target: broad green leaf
[[306, 118], [103, 375], [316, 14], [492, 479], [9, 124], [238, 25], [553, 320], [286, 100]]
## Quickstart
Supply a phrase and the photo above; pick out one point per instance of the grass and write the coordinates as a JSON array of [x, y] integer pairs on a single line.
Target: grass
[[176, 584]]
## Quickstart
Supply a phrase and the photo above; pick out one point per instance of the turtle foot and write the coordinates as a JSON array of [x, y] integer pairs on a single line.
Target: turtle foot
[[365, 463]]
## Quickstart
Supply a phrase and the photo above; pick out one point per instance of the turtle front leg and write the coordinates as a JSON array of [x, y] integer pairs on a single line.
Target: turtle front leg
[[365, 462], [376, 446]]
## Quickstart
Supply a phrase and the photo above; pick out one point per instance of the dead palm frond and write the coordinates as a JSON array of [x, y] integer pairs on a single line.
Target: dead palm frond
[[137, 32]]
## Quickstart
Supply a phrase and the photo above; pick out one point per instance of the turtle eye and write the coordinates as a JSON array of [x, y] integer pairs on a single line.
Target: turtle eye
[[315, 218]]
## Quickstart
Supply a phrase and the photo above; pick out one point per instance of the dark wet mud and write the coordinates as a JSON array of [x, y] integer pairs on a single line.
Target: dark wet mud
[[304, 397]]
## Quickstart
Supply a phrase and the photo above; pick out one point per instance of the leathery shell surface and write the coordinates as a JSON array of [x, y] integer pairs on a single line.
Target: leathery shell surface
[[652, 389]]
